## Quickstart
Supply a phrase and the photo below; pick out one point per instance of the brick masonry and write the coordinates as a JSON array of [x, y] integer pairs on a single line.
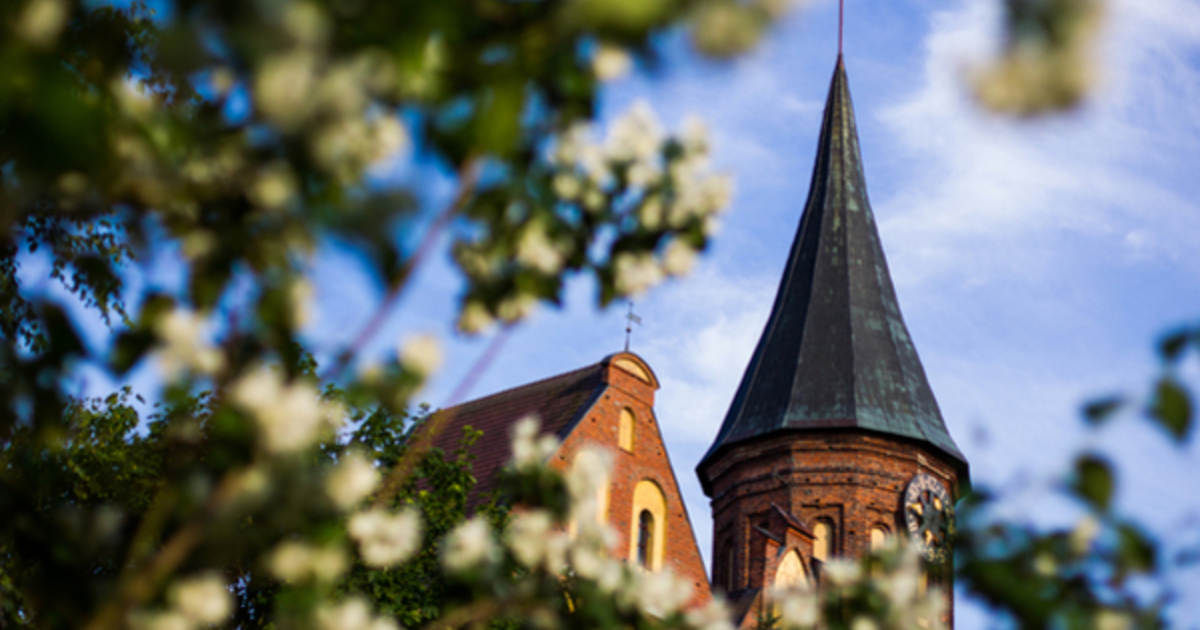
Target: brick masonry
[[853, 480], [649, 460]]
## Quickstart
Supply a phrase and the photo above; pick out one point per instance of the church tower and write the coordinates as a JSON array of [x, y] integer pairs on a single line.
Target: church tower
[[834, 440]]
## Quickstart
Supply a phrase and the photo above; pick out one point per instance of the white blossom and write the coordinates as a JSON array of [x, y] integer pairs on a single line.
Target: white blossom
[[902, 585], [222, 80], [295, 561], [567, 186], [593, 200], [468, 545], [714, 615], [1108, 619], [776, 9], [390, 137], [421, 354], [186, 347], [651, 213], [198, 244], [589, 473], [595, 563], [351, 480], [353, 613], [1084, 533], [1045, 565], [42, 21], [862, 622], [595, 165], [643, 174], [635, 273], [636, 135], [800, 608], [133, 98], [526, 536], [203, 599], [725, 29], [306, 23], [611, 62], [283, 88], [289, 417], [842, 572], [273, 188], [341, 90], [300, 298], [558, 544], [475, 318], [570, 145], [529, 450], [679, 257], [535, 249], [661, 593], [386, 538], [160, 620], [694, 137], [517, 308]]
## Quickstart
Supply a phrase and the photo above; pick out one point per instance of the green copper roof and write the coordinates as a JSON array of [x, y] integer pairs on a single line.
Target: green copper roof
[[835, 353]]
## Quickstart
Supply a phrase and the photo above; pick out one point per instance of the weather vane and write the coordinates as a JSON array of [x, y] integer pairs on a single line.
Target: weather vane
[[630, 320]]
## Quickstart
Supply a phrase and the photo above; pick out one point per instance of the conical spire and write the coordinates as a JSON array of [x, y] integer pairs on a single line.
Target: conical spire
[[835, 353]]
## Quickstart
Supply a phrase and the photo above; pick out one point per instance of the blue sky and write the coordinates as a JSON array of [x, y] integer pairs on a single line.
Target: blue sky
[[1035, 262]]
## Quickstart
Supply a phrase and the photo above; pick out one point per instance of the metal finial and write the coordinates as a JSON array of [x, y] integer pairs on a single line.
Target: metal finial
[[630, 320], [841, 21]]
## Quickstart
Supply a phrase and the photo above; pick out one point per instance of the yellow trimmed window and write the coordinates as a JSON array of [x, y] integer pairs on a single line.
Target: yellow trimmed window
[[648, 534], [625, 430]]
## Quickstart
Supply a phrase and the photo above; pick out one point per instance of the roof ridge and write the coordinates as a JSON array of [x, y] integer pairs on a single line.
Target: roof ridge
[[555, 377]]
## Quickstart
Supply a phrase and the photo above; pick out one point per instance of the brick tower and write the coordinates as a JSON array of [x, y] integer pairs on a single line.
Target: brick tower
[[834, 421]]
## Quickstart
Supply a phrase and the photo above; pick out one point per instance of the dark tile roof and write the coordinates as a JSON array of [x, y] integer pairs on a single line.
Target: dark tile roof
[[557, 401], [835, 352], [790, 519]]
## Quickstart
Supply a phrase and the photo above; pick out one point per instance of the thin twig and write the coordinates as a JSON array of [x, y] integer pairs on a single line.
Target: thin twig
[[466, 189], [433, 426], [471, 613], [143, 580]]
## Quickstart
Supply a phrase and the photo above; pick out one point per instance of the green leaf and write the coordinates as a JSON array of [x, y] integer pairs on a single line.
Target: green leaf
[[1094, 481], [1136, 552], [1171, 346], [1101, 409], [1172, 408]]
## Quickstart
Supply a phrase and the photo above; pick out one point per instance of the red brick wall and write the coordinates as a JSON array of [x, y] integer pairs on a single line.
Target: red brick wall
[[855, 480], [648, 460]]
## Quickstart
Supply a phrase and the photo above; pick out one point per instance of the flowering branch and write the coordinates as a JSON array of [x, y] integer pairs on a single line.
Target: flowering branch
[[466, 188], [424, 439]]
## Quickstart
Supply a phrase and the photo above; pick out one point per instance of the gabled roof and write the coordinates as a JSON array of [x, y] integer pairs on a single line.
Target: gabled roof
[[557, 401], [835, 352]]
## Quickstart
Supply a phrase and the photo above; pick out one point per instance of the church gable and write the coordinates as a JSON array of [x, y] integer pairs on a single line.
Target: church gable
[[645, 506], [609, 404]]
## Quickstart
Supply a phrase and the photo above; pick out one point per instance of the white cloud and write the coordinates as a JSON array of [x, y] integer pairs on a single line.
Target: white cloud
[[987, 189]]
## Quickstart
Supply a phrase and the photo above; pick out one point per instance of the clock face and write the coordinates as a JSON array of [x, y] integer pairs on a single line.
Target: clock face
[[929, 515]]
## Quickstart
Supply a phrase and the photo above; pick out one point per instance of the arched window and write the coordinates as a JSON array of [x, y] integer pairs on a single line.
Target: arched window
[[791, 571], [625, 430], [648, 525], [645, 538], [879, 537], [823, 545]]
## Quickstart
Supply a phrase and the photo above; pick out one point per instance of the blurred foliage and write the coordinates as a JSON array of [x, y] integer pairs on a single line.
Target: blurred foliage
[[1048, 59], [244, 135], [1108, 571]]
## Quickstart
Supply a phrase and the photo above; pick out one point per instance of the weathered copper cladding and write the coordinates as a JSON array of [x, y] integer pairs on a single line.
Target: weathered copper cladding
[[835, 353]]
